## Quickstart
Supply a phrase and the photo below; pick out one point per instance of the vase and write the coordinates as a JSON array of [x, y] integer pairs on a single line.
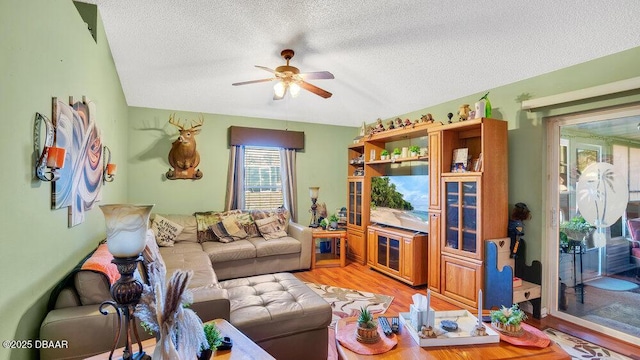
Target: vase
[[165, 348], [126, 228], [367, 335], [205, 354]]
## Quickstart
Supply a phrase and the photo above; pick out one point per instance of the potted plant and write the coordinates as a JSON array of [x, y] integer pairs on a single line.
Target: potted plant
[[367, 329], [574, 231], [396, 153], [214, 339], [333, 221], [384, 154], [414, 150], [508, 320], [323, 224]]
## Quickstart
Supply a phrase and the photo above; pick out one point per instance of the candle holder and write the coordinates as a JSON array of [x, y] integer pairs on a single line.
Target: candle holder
[[109, 169], [51, 158]]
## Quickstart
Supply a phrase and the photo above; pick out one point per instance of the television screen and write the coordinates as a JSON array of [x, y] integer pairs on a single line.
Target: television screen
[[401, 201]]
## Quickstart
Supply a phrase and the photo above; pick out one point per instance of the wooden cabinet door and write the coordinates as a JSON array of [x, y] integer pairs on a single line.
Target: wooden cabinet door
[[433, 251], [356, 246], [408, 265], [372, 247], [461, 279]]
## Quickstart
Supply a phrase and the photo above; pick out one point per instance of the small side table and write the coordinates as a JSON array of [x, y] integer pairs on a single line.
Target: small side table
[[330, 259]]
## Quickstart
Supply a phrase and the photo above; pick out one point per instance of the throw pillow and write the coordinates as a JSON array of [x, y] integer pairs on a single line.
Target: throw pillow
[[229, 229], [272, 228], [205, 220], [248, 224], [165, 230], [281, 213]]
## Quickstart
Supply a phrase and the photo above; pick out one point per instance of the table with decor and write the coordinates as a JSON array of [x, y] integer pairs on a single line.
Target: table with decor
[[407, 348], [338, 240], [243, 347]]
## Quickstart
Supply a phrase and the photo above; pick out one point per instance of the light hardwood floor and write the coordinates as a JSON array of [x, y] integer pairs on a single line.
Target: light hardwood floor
[[361, 277]]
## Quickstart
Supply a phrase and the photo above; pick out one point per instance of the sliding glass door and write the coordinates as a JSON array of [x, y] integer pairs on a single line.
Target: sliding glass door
[[594, 197]]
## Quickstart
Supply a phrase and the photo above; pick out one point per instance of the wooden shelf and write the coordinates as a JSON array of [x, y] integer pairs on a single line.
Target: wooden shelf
[[398, 160], [413, 131]]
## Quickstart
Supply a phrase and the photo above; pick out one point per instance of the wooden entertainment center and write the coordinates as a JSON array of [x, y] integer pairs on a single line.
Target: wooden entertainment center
[[466, 206]]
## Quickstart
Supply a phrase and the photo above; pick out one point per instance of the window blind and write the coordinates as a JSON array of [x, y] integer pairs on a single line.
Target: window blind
[[262, 179]]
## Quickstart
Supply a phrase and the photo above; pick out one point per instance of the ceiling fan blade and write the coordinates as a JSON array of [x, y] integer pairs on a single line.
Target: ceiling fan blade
[[267, 69], [314, 89], [252, 81], [317, 75]]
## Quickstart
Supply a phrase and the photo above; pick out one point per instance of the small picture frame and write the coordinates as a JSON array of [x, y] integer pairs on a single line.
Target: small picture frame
[[459, 167]]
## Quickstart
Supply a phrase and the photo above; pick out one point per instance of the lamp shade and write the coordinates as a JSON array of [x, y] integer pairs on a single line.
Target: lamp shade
[[126, 228], [279, 89], [313, 192], [294, 89]]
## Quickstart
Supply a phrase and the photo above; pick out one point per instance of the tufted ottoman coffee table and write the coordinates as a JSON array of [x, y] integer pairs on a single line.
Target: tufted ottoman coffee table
[[281, 314]]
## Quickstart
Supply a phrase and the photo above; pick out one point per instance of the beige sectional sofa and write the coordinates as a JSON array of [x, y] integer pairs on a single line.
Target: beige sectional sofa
[[74, 314]]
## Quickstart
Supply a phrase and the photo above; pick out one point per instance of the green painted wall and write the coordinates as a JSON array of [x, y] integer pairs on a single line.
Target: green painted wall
[[46, 51], [323, 162], [527, 133]]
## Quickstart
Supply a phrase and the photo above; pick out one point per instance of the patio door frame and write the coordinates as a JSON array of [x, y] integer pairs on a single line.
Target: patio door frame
[[553, 125]]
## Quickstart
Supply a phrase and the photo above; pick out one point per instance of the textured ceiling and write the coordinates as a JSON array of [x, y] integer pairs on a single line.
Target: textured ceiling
[[388, 57]]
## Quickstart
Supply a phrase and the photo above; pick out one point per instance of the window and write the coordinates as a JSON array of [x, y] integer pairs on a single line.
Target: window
[[262, 178]]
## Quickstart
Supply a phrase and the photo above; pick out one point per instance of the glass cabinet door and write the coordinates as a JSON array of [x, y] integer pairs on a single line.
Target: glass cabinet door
[[461, 215], [355, 203], [394, 254], [382, 250]]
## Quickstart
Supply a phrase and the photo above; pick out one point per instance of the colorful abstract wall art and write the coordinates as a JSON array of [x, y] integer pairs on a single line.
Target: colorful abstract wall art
[[80, 183]]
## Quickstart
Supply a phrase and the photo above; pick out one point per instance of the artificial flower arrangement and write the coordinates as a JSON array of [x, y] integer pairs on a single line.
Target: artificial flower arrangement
[[508, 320], [163, 310]]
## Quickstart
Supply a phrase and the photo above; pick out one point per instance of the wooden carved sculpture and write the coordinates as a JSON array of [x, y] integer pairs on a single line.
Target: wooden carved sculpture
[[184, 157]]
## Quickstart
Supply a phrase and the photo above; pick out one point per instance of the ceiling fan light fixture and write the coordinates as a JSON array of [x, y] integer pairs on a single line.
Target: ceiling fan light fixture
[[279, 88], [294, 89]]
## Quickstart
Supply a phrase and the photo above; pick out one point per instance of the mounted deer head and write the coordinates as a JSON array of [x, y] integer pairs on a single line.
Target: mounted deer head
[[184, 157]]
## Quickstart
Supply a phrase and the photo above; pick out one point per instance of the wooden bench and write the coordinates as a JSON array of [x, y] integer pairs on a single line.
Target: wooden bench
[[499, 278]]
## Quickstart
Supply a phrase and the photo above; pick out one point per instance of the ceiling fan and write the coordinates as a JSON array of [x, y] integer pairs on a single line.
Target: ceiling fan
[[291, 79]]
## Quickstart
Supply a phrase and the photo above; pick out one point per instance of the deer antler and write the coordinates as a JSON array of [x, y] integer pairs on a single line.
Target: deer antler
[[175, 123], [198, 123]]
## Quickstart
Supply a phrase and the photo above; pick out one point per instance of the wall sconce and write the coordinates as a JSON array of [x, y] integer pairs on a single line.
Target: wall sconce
[[313, 193], [109, 170], [51, 157]]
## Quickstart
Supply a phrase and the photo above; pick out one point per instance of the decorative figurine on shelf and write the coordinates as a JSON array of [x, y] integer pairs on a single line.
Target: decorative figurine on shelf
[[399, 123], [379, 127], [487, 106], [516, 227], [427, 119], [463, 112], [450, 116], [390, 125], [407, 122]]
